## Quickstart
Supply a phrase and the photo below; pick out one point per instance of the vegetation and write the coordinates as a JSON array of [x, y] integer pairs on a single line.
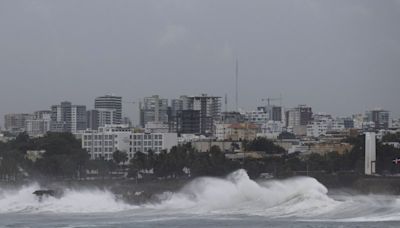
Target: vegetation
[[391, 137], [286, 135], [65, 159], [263, 144]]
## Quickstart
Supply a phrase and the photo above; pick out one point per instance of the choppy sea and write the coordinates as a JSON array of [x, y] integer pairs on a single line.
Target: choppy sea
[[234, 201]]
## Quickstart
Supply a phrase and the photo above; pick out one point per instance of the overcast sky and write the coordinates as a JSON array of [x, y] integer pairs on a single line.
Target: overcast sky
[[340, 57]]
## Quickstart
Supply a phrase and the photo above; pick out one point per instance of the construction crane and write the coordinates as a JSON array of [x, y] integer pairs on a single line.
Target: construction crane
[[269, 99]]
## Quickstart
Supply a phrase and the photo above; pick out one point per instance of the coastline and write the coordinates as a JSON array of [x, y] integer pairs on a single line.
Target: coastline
[[147, 191]]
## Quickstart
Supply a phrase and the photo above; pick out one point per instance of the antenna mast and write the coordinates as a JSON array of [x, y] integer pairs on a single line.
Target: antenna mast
[[226, 103], [237, 86]]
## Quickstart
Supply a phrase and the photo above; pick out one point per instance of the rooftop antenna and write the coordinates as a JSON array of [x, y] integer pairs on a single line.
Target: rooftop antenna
[[237, 86], [226, 103]]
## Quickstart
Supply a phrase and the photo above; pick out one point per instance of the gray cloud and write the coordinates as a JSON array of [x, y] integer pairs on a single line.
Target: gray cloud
[[338, 56]]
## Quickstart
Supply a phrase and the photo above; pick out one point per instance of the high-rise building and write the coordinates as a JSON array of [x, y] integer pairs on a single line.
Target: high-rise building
[[42, 114], [112, 103], [257, 117], [189, 114], [188, 122], [92, 119], [232, 117], [68, 118], [39, 125], [379, 117], [176, 105], [105, 116], [298, 116], [154, 109], [100, 117], [210, 110], [15, 123], [348, 122], [274, 113], [126, 121]]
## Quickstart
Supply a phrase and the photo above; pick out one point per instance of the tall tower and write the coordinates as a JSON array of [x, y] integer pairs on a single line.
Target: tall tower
[[370, 153]]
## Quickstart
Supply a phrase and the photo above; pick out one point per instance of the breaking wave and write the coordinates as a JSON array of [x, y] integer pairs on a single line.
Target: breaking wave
[[239, 194], [299, 198], [72, 201]]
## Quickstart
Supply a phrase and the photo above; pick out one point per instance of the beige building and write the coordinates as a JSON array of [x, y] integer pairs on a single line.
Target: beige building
[[242, 131], [324, 148]]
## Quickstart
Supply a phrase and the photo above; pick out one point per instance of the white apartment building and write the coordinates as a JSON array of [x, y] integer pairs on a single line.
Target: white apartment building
[[37, 127], [104, 142], [155, 142], [322, 124]]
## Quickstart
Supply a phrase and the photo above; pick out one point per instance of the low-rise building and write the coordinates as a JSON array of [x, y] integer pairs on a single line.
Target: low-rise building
[[324, 148], [221, 131]]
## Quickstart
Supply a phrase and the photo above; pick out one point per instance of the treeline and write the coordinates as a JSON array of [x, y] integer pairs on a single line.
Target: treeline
[[276, 161], [65, 159]]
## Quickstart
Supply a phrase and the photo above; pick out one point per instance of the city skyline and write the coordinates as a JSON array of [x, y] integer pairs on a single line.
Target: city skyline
[[133, 111], [339, 57]]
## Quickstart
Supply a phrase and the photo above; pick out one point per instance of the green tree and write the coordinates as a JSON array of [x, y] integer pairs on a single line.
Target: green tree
[[64, 156], [316, 162], [120, 157], [263, 144], [391, 137], [286, 135], [334, 161]]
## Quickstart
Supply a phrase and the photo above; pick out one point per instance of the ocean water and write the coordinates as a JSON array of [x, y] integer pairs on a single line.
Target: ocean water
[[235, 201]]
